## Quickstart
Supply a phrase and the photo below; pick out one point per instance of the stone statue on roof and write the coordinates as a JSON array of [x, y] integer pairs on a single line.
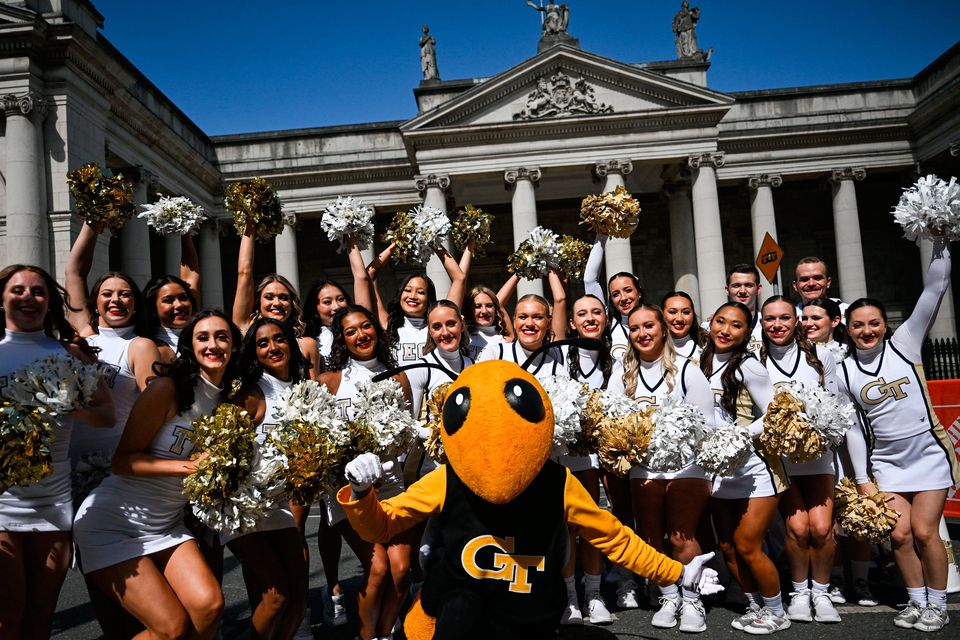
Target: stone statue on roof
[[685, 31], [556, 17], [428, 55]]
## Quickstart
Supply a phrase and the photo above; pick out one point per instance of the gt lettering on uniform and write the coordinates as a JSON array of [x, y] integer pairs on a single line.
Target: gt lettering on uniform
[[411, 351], [114, 371], [514, 569], [182, 437], [884, 390]]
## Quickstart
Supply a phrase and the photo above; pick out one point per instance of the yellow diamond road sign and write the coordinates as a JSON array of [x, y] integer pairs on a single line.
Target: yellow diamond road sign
[[769, 257]]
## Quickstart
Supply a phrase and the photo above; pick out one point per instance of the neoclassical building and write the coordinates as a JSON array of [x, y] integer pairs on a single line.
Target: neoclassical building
[[818, 168]]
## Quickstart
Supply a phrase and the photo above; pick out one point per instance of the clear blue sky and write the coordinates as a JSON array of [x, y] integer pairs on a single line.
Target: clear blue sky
[[239, 66]]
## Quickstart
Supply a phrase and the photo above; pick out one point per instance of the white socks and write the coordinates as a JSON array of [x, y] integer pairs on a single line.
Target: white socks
[[669, 591], [800, 587], [775, 604], [823, 588], [918, 595], [938, 598]]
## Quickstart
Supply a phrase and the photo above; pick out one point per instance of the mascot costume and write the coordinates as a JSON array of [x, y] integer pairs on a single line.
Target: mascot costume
[[501, 514]]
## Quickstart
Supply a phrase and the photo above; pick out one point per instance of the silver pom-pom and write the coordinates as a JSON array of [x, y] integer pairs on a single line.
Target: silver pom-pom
[[725, 450], [58, 383], [837, 350], [678, 428], [177, 215], [824, 410], [431, 227], [382, 423], [310, 402], [569, 402], [346, 218], [536, 255], [928, 208]]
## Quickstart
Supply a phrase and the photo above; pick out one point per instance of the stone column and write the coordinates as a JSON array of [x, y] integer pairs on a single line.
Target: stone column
[[683, 242], [617, 254], [846, 227], [285, 250], [135, 235], [945, 325], [433, 188], [711, 267], [762, 217], [171, 254], [211, 274], [25, 177], [524, 215]]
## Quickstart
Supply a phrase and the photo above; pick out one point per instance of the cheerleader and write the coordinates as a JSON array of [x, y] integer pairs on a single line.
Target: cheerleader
[[745, 502], [823, 321], [688, 336], [905, 448], [807, 506], [35, 520], [129, 531], [360, 351], [485, 311], [170, 303], [670, 503], [599, 370], [622, 295], [274, 567]]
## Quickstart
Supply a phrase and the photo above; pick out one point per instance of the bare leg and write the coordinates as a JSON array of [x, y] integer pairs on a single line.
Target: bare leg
[[46, 560], [686, 500]]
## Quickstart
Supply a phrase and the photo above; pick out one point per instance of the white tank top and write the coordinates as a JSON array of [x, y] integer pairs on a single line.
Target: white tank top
[[167, 336], [356, 372], [687, 348], [484, 336], [549, 363], [788, 363], [411, 336], [590, 371], [424, 380], [620, 332], [271, 388]]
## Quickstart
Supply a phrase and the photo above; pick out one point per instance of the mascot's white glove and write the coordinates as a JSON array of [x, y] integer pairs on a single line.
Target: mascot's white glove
[[363, 472], [700, 578]]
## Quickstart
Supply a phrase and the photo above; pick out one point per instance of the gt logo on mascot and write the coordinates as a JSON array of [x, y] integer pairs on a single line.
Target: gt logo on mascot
[[511, 568]]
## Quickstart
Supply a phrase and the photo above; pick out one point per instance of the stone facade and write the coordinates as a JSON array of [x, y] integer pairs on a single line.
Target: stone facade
[[819, 168]]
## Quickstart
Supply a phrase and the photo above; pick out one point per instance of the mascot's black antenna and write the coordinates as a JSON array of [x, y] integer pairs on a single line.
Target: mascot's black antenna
[[583, 343], [416, 365]]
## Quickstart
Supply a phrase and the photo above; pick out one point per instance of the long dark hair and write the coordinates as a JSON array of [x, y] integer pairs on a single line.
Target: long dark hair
[[55, 324], [612, 311], [185, 370], [833, 311], [139, 320], [799, 336], [339, 355], [866, 302], [251, 370], [729, 380], [464, 346], [395, 314], [700, 337], [605, 358], [311, 317], [150, 293]]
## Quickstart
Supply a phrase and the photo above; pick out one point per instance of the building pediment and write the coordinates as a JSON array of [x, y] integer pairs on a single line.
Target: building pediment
[[12, 15], [567, 83]]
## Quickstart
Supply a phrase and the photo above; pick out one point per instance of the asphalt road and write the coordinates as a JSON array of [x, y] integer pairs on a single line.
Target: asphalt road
[[75, 618]]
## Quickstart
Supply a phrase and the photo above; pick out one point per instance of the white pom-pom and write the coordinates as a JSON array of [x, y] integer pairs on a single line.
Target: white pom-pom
[[57, 383], [348, 218], [569, 401], [824, 411], [432, 226], [930, 207], [311, 402], [725, 450], [837, 350], [177, 215], [382, 411], [678, 428]]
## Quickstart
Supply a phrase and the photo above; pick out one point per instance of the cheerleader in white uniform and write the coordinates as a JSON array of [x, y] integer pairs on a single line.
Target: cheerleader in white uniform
[[599, 370], [807, 506], [269, 363], [905, 449], [688, 336], [485, 311], [823, 321], [130, 533], [361, 350], [745, 502], [670, 503], [35, 520], [324, 299], [622, 295], [172, 300]]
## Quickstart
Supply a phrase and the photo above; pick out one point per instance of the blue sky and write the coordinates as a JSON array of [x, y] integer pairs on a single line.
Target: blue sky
[[239, 66]]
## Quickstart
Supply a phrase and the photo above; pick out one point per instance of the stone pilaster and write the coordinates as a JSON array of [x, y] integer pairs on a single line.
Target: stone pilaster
[[846, 226], [433, 188], [617, 254], [24, 173], [711, 267], [683, 241], [211, 270], [135, 235], [524, 209], [762, 217], [285, 251]]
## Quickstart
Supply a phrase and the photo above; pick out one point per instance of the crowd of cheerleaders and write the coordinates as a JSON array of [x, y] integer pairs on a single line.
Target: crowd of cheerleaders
[[147, 566]]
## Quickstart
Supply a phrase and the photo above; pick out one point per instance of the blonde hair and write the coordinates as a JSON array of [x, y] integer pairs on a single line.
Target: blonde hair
[[631, 363], [546, 306]]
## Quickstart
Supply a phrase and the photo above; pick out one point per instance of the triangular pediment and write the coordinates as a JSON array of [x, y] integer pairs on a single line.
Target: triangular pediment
[[11, 15], [565, 82]]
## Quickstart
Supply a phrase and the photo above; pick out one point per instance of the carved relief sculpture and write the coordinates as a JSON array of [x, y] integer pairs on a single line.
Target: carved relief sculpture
[[561, 97]]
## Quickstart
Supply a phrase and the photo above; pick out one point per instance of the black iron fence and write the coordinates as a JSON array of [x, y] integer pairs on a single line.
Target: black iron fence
[[941, 359]]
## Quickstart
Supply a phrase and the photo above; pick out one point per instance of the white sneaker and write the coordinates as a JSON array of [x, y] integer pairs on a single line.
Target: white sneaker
[[627, 594], [304, 632], [571, 615], [863, 595], [799, 608], [666, 617], [932, 618], [823, 608], [908, 616], [744, 621], [836, 595], [693, 619], [767, 622], [597, 612]]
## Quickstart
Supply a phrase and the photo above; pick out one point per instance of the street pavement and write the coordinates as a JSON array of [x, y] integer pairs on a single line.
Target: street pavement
[[75, 619]]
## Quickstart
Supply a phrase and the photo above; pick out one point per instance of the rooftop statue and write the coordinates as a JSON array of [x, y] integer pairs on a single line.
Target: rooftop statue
[[428, 55], [685, 31], [556, 17]]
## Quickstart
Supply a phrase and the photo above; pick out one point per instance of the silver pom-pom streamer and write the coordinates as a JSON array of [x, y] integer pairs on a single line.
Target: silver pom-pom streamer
[[569, 400], [177, 215], [347, 218], [826, 411], [536, 255], [310, 402], [678, 428], [58, 383], [837, 350], [382, 422], [725, 450], [929, 208]]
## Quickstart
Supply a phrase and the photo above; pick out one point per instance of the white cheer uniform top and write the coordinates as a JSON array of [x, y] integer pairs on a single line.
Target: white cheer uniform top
[[619, 327], [45, 505], [167, 336], [131, 516], [688, 348], [325, 341], [411, 336], [548, 363], [591, 373], [481, 338], [113, 345]]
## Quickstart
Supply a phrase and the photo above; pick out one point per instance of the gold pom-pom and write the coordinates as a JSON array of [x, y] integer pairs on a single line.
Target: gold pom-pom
[[26, 438], [787, 433], [401, 232], [623, 441], [612, 214], [254, 202], [472, 224], [588, 440], [573, 257], [227, 438], [867, 518], [105, 200], [313, 460], [433, 445]]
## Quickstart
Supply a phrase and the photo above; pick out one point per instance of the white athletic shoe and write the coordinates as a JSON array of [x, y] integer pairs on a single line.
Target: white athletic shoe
[[836, 595], [597, 612], [571, 615], [627, 594], [908, 616], [823, 609], [799, 608], [863, 595], [767, 622], [693, 618], [666, 617], [932, 618], [748, 617]]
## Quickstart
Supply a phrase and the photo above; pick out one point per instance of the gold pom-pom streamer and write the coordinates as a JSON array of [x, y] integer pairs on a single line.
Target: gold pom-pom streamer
[[101, 199], [472, 224], [433, 445], [867, 518], [314, 462], [26, 438], [593, 414], [786, 431], [573, 257], [254, 202], [401, 232], [227, 438], [612, 214], [623, 441]]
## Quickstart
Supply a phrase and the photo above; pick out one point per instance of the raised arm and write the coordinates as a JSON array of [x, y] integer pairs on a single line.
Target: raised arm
[[503, 297], [75, 279], [362, 294], [243, 300], [372, 270], [911, 334], [458, 279], [190, 265], [143, 353], [466, 258], [591, 272], [559, 293]]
